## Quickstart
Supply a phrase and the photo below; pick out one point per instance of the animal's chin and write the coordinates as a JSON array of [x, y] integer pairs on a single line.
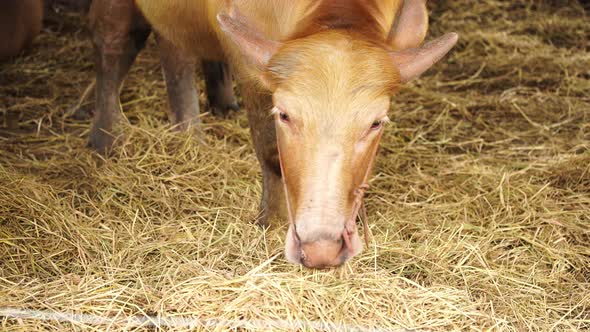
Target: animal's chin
[[293, 250]]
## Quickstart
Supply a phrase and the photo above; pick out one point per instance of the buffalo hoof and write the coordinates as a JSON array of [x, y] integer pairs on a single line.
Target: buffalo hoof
[[222, 110], [101, 141]]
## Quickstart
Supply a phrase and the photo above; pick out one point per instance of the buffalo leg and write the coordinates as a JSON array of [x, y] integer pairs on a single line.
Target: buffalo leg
[[220, 93], [262, 127], [179, 74], [118, 33]]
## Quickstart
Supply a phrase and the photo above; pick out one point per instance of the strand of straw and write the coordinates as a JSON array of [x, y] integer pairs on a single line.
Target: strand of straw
[[180, 321]]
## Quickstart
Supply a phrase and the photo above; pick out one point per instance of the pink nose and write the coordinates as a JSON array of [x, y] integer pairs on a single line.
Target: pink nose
[[322, 253]]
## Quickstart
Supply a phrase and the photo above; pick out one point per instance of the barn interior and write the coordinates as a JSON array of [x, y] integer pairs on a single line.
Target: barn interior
[[479, 205]]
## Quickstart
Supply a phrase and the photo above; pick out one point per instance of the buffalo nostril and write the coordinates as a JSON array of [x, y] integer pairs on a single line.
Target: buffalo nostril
[[323, 253]]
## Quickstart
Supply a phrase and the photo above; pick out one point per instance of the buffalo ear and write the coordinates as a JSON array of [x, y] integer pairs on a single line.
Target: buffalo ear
[[413, 62], [252, 44], [410, 25]]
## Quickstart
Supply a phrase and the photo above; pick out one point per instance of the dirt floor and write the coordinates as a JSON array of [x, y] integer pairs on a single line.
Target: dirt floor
[[479, 206]]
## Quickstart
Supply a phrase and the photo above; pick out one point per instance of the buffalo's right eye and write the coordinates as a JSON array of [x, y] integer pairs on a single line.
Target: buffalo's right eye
[[376, 124]]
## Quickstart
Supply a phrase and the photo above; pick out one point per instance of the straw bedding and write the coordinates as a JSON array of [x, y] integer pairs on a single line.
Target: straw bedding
[[479, 206]]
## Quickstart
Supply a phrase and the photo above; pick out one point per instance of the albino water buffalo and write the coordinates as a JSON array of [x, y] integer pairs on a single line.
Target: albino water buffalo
[[20, 22], [316, 77]]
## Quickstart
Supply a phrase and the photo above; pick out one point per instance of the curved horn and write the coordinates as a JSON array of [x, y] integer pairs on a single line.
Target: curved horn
[[414, 61]]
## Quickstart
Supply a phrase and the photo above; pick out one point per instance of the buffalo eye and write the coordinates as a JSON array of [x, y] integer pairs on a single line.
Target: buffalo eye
[[376, 124], [284, 117]]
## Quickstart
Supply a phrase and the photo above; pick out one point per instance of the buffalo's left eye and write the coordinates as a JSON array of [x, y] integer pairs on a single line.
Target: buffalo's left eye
[[376, 124]]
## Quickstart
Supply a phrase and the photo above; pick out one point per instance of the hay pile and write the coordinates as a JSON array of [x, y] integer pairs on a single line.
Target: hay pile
[[480, 204]]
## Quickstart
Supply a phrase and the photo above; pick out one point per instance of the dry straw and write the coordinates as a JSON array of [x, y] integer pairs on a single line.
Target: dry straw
[[479, 206]]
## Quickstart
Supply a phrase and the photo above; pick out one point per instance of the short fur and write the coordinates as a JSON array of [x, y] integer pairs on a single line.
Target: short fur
[[362, 17]]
